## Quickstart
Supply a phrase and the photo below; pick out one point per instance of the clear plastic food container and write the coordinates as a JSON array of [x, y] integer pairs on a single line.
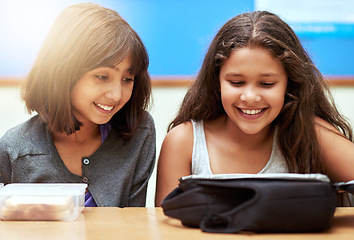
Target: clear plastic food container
[[42, 201]]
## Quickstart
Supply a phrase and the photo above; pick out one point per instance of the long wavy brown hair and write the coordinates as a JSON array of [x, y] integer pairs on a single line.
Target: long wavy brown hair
[[307, 95], [84, 37]]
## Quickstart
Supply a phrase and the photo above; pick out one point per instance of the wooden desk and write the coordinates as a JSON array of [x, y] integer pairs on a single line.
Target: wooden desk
[[150, 223]]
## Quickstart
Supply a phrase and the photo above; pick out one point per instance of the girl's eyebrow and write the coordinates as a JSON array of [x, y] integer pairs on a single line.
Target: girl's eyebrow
[[270, 74], [129, 69], [231, 74]]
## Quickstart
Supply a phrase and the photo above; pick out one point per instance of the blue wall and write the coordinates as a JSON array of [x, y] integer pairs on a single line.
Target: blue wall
[[176, 33]]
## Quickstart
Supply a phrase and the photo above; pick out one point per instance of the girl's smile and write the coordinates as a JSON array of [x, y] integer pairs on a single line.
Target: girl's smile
[[104, 108], [251, 113]]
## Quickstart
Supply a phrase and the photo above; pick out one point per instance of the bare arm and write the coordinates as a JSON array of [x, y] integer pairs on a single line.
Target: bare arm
[[174, 161], [337, 152]]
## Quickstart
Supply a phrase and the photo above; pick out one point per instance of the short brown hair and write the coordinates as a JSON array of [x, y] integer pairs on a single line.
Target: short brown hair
[[84, 37]]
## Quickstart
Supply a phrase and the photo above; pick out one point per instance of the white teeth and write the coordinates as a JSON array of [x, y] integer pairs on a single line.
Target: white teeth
[[251, 112], [104, 107]]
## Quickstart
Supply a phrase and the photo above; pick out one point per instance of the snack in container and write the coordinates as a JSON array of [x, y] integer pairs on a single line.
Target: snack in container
[[42, 201]]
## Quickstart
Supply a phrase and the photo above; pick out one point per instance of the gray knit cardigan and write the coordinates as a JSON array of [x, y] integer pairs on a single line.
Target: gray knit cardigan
[[117, 173]]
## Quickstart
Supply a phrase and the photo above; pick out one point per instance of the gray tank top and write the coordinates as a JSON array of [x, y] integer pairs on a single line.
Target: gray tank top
[[201, 162]]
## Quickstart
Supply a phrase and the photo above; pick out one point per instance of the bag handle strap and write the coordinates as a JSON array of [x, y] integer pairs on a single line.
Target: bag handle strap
[[226, 222], [345, 186]]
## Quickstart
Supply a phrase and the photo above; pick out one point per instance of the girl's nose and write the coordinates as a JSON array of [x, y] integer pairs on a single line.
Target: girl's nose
[[250, 96], [114, 92]]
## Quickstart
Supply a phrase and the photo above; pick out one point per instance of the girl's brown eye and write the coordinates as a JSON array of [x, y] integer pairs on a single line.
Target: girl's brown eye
[[267, 84], [128, 79], [101, 77], [237, 83]]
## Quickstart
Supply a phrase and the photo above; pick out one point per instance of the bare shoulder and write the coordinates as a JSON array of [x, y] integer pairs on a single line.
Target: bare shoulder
[[184, 130], [175, 159], [337, 151], [328, 136], [181, 133], [177, 147], [179, 142], [324, 126]]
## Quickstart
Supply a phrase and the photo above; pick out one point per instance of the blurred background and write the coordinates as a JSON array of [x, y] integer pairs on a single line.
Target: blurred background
[[177, 34]]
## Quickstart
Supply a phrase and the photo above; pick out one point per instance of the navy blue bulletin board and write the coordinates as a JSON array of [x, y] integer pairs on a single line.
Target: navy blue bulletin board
[[177, 33]]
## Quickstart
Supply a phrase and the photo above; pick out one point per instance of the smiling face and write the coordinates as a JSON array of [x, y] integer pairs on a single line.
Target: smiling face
[[253, 85], [102, 92]]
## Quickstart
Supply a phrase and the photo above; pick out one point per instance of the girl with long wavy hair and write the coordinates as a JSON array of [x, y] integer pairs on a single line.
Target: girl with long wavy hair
[[258, 105]]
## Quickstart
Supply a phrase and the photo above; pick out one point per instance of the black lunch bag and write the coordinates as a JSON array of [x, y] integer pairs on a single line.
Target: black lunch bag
[[231, 203]]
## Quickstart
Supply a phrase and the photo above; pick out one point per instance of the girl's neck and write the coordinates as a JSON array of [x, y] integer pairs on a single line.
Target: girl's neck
[[85, 133], [72, 148], [235, 134]]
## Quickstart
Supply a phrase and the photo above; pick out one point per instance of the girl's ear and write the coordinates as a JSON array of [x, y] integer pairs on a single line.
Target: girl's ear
[[287, 87]]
